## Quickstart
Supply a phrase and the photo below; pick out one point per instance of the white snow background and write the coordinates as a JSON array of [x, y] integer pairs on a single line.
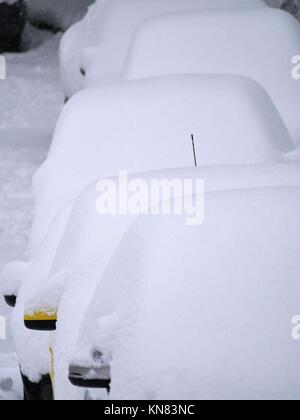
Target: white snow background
[[30, 102]]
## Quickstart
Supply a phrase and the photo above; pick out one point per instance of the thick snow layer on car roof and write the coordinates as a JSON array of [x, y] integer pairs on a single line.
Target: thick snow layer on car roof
[[146, 125], [257, 43], [205, 312], [99, 43], [90, 241]]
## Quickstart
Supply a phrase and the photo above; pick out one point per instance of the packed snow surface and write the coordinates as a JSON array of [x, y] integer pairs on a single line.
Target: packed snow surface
[[30, 105], [30, 101]]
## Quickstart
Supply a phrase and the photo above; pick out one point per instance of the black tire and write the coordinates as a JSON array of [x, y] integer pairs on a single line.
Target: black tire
[[41, 391]]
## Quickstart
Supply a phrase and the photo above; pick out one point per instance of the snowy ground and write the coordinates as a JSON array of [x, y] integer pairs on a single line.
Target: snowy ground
[[30, 103]]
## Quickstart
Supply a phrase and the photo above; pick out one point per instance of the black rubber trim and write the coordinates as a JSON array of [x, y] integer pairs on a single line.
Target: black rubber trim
[[89, 383], [41, 325]]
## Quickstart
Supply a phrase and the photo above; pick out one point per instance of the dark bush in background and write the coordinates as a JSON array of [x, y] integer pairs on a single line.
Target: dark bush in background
[[12, 22], [56, 14]]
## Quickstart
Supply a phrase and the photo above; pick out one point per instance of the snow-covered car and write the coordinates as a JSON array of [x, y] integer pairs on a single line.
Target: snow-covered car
[[137, 126], [145, 125], [94, 50], [90, 241], [198, 313], [256, 43], [12, 22]]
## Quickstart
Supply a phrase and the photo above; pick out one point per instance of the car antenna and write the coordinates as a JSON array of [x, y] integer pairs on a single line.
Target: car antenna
[[194, 151]]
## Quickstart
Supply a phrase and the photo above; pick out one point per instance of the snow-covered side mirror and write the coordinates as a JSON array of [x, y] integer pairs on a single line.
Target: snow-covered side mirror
[[12, 279], [86, 377], [41, 321], [41, 309]]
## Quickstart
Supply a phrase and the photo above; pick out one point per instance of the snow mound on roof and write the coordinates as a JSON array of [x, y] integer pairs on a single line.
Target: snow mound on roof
[[257, 43], [205, 313], [147, 125], [99, 43]]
